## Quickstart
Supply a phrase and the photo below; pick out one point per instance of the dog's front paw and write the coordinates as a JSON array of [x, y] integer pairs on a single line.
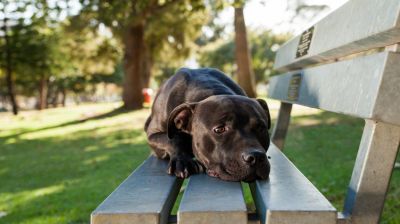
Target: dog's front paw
[[183, 166]]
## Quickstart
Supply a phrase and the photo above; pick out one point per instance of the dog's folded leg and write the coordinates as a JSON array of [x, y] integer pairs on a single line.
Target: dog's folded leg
[[182, 162], [179, 152]]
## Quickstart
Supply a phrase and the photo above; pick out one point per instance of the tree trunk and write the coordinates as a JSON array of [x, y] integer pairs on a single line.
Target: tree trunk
[[147, 65], [245, 71], [43, 88], [63, 96], [11, 89], [133, 66], [54, 97], [9, 78]]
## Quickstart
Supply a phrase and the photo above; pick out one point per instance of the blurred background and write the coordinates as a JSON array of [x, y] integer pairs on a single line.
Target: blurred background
[[65, 52], [77, 78]]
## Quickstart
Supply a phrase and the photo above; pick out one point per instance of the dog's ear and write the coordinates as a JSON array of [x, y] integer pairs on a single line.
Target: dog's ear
[[266, 109], [180, 119]]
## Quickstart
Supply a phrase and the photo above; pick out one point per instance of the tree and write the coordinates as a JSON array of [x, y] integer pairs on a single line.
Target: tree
[[262, 51], [244, 68], [92, 58], [145, 27], [264, 44], [48, 56], [8, 61], [38, 56], [32, 42]]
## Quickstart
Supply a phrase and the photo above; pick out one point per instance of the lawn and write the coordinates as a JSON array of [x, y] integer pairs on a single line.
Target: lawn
[[57, 165]]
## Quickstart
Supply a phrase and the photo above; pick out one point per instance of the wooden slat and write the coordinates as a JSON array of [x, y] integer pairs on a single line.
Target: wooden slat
[[211, 200], [146, 196], [357, 26], [288, 197], [366, 87]]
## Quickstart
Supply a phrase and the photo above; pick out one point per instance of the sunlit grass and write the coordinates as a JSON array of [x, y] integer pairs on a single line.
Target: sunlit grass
[[58, 165]]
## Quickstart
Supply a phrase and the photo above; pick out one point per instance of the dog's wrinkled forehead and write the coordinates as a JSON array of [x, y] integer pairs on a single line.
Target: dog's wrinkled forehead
[[217, 109]]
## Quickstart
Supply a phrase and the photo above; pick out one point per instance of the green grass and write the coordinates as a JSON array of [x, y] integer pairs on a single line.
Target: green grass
[[55, 168], [57, 165]]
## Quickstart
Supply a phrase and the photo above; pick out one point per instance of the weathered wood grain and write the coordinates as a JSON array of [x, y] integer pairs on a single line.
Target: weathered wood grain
[[211, 200], [289, 197], [145, 197], [366, 87]]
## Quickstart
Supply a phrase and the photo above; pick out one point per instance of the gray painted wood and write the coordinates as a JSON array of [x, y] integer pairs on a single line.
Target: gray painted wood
[[211, 200], [289, 197], [357, 26], [372, 171], [282, 124], [145, 197], [367, 87]]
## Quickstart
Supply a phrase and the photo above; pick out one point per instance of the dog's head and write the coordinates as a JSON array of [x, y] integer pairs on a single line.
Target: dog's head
[[229, 135]]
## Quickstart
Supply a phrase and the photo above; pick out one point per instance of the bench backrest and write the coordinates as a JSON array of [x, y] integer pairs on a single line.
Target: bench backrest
[[319, 74], [349, 63]]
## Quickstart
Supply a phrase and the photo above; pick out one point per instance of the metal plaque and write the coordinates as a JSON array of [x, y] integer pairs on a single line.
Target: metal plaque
[[294, 87], [304, 43]]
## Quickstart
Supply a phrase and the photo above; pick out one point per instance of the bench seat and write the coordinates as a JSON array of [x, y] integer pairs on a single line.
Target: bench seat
[[148, 195], [288, 196]]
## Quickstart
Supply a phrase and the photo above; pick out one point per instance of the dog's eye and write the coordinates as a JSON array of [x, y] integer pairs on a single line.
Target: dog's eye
[[219, 129]]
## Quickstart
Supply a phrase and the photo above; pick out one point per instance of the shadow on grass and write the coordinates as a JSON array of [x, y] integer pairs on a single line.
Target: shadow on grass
[[109, 114]]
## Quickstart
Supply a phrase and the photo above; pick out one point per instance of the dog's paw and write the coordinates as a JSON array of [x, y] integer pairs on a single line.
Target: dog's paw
[[212, 173], [183, 166]]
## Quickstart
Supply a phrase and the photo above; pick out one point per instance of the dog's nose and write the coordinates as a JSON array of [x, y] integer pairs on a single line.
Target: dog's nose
[[254, 157]]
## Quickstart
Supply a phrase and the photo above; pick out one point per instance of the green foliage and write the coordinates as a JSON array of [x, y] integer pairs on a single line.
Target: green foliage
[[36, 54], [31, 41], [263, 46], [164, 71], [89, 53], [177, 29], [76, 52], [170, 26], [220, 55], [43, 47]]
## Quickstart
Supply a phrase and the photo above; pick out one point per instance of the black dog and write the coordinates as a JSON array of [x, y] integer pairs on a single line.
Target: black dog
[[202, 113]]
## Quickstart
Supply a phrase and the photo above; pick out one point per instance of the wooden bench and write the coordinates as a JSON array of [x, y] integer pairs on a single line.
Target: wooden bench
[[322, 70]]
